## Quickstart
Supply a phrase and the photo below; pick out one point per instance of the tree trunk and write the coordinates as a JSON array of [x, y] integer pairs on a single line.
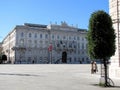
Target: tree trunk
[[105, 69]]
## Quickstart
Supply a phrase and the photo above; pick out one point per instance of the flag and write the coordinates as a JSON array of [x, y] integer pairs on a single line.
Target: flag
[[50, 47]]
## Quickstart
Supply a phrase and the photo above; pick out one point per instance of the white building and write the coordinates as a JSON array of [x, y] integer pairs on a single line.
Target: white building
[[114, 10], [35, 43], [0, 47]]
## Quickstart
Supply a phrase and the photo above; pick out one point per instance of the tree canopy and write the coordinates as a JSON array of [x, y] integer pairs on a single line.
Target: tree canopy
[[101, 36]]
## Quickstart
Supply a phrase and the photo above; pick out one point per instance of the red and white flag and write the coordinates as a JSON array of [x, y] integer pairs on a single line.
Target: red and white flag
[[50, 47]]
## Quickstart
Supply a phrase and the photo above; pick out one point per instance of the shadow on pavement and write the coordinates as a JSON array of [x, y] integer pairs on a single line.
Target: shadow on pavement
[[17, 74], [106, 87]]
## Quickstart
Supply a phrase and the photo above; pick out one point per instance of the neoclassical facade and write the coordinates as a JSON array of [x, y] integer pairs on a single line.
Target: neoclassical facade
[[0, 48], [42, 44], [114, 11]]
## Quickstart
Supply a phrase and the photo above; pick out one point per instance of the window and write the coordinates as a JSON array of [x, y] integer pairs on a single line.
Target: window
[[74, 59], [29, 43], [35, 35], [40, 59], [70, 59], [82, 39], [74, 46], [30, 35], [82, 59], [29, 59], [70, 45], [69, 38], [58, 37], [74, 37], [82, 52], [82, 45], [45, 60], [35, 43], [78, 51], [78, 45], [78, 38], [22, 34], [46, 43], [41, 36], [46, 36], [53, 37], [22, 42], [64, 37]]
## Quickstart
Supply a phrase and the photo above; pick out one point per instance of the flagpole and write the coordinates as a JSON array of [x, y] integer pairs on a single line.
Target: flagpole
[[50, 53], [50, 47], [51, 56]]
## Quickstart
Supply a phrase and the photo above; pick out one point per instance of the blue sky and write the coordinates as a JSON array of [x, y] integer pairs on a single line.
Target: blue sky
[[74, 12]]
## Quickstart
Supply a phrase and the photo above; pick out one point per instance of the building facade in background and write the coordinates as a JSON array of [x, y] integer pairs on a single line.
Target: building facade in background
[[0, 48], [114, 11], [35, 43]]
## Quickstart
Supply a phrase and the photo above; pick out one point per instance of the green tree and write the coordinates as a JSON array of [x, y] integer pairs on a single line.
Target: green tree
[[101, 38]]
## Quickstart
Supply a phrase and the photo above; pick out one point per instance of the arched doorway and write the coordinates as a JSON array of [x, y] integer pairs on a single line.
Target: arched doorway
[[3, 59], [64, 57]]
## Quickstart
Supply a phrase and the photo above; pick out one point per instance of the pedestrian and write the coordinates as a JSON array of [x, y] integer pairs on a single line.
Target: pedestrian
[[33, 62], [93, 67]]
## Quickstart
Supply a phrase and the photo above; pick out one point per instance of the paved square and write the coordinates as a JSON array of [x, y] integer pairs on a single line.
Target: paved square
[[50, 77]]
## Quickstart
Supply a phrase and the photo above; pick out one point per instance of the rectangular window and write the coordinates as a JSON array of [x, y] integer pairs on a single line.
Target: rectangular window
[[22, 34], [35, 42], [22, 42], [41, 36], [53, 37], [69, 38], [35, 35], [74, 37], [82, 45], [78, 45], [30, 35], [58, 37], [78, 38], [64, 37], [46, 36]]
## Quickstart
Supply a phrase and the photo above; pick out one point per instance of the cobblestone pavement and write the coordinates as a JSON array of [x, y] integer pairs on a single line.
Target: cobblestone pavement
[[50, 77]]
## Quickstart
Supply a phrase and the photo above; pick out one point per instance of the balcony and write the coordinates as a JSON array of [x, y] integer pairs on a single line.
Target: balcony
[[18, 48]]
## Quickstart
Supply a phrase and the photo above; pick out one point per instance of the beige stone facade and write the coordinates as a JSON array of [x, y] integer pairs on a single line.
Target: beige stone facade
[[114, 11], [31, 43], [0, 48]]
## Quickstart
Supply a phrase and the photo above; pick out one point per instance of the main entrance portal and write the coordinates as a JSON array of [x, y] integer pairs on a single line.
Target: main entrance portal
[[64, 57]]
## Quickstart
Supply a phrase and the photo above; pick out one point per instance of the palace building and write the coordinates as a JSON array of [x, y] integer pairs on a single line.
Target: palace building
[[114, 11], [42, 44]]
